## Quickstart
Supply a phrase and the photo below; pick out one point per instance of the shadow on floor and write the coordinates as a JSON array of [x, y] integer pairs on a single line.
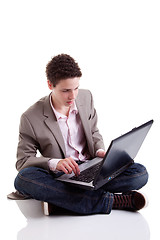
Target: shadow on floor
[[118, 225]]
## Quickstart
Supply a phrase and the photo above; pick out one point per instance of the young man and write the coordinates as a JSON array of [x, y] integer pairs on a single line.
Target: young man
[[63, 128]]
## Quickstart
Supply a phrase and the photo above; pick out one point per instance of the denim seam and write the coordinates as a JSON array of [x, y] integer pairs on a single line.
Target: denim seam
[[135, 175], [109, 202]]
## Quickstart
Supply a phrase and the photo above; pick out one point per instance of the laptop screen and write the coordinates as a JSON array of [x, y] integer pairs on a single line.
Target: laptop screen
[[123, 150]]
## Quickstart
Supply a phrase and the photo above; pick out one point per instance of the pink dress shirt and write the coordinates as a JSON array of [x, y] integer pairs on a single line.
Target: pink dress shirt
[[73, 135]]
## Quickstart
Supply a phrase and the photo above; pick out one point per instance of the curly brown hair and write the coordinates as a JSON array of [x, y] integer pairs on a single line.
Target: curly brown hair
[[62, 67]]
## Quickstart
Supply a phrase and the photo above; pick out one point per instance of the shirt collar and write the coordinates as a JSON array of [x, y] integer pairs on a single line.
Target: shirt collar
[[59, 115]]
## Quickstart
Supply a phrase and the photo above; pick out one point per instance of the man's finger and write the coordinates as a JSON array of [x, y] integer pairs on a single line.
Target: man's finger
[[76, 167]]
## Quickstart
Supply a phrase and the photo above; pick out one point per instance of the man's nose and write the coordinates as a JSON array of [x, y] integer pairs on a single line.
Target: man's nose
[[72, 95]]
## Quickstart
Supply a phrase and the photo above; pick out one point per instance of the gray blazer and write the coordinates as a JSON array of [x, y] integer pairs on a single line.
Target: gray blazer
[[39, 131]]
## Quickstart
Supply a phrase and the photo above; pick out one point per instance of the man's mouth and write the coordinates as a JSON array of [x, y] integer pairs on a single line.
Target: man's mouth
[[70, 102]]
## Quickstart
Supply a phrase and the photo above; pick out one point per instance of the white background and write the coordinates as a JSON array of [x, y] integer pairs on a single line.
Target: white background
[[117, 46]]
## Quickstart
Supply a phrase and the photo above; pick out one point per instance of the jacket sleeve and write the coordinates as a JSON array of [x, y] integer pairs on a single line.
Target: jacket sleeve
[[28, 146], [96, 136]]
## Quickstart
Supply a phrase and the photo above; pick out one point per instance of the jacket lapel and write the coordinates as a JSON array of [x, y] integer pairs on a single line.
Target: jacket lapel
[[52, 124], [84, 118]]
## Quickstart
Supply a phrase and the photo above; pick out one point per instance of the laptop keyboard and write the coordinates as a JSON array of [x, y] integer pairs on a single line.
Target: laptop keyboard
[[87, 175]]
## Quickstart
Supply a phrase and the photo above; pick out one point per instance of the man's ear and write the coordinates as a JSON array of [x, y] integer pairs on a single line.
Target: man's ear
[[50, 85]]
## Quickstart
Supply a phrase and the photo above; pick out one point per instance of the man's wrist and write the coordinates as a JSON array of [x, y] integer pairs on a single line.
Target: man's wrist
[[99, 150], [100, 153], [52, 163]]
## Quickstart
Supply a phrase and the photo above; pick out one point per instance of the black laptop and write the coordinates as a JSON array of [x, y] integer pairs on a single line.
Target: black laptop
[[119, 156]]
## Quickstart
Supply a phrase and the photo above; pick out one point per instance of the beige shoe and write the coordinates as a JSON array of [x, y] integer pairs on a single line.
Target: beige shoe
[[48, 208]]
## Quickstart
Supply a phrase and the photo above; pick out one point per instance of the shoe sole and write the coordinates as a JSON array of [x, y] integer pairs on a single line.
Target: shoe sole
[[45, 208], [146, 199]]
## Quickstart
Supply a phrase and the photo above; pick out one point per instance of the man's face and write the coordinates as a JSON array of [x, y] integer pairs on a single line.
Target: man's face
[[65, 92]]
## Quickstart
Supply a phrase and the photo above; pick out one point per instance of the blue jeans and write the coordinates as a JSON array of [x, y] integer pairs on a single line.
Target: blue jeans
[[39, 184]]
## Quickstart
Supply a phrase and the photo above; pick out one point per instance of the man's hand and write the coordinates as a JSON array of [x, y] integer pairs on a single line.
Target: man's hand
[[101, 153], [68, 165]]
